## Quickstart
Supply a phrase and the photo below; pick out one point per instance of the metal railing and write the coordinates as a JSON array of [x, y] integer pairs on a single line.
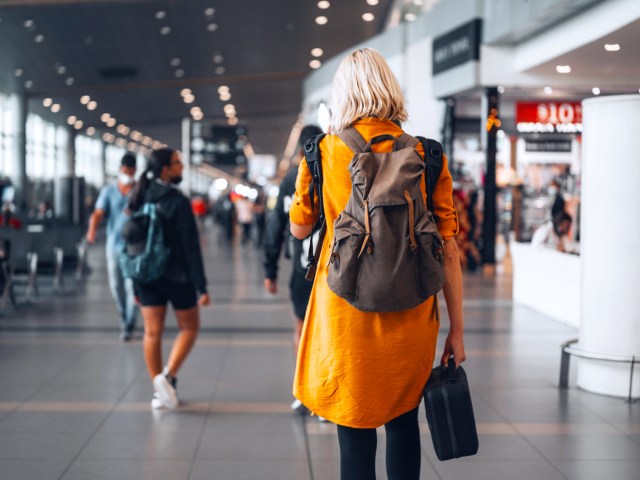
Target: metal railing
[[568, 349]]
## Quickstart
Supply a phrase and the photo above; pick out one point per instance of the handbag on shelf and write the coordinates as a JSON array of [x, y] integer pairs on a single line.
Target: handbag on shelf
[[447, 401]]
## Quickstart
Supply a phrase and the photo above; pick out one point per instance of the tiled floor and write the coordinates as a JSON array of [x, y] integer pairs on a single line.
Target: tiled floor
[[74, 401]]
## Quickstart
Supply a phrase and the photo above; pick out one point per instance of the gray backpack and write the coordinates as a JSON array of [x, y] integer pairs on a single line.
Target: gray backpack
[[387, 254]]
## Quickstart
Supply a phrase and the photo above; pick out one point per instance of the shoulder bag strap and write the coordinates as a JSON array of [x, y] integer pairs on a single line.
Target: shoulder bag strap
[[433, 166], [353, 139], [312, 157]]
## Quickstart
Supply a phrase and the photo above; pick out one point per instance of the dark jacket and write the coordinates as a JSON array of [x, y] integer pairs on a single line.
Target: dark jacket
[[181, 235], [277, 228]]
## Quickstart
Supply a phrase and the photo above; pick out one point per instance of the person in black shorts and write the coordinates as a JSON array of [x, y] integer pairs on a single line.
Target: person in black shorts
[[276, 234], [183, 283]]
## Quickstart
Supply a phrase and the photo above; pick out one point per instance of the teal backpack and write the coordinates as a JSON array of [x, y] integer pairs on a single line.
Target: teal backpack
[[145, 254]]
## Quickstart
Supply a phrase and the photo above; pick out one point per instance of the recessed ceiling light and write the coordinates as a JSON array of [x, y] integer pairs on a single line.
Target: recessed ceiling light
[[147, 141], [595, 91], [372, 2], [233, 121], [92, 105], [91, 131], [71, 119], [410, 17], [28, 24], [132, 147], [563, 69], [218, 58], [548, 90], [61, 69], [229, 108], [39, 38], [69, 81], [19, 72], [612, 47], [184, 92], [105, 117], [212, 27], [220, 70], [160, 14], [85, 99], [47, 102], [209, 12], [189, 98], [55, 108], [317, 52], [179, 73], [78, 125], [500, 89], [165, 30], [225, 97], [175, 62], [322, 20], [195, 110], [323, 5], [368, 17], [111, 123], [223, 89], [28, 84], [123, 130], [315, 64]]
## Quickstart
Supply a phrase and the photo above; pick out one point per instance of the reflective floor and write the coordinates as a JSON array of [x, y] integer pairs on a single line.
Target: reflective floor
[[74, 401]]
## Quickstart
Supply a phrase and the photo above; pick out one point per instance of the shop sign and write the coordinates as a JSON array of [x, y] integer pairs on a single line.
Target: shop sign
[[554, 146], [549, 117], [457, 47]]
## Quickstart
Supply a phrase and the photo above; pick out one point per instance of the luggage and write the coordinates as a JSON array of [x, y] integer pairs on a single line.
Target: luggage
[[450, 413]]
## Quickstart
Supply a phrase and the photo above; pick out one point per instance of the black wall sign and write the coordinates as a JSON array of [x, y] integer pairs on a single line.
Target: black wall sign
[[548, 146], [217, 145], [457, 47]]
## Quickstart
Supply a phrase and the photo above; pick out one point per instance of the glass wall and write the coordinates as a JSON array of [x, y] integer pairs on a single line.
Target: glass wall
[[6, 138], [89, 160]]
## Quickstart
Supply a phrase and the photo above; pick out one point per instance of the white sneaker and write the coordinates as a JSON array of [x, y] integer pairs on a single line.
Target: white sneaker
[[298, 406], [322, 419], [166, 391], [156, 402]]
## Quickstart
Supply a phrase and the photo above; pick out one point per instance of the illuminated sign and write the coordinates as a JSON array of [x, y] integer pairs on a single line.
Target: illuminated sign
[[549, 117], [457, 47]]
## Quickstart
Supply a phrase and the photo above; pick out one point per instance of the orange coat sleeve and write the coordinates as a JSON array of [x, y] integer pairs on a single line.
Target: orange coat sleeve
[[444, 209], [300, 212]]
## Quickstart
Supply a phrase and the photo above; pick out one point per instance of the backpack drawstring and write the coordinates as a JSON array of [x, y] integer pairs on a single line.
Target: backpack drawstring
[[367, 229], [412, 235]]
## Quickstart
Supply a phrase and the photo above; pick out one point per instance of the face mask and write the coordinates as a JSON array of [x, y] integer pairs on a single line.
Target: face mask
[[176, 180], [553, 190], [125, 179]]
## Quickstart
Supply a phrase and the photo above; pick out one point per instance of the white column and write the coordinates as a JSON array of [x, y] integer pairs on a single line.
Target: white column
[[610, 242]]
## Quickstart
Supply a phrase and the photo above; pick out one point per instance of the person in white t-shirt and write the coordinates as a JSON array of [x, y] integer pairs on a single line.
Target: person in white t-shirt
[[554, 234]]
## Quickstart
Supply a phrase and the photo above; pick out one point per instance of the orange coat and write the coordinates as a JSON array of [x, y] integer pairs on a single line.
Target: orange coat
[[362, 369]]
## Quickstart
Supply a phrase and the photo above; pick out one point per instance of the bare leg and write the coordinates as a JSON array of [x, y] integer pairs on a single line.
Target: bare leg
[[189, 324], [297, 333], [152, 343]]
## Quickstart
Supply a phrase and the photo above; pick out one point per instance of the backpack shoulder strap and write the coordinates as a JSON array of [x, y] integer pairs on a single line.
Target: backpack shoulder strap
[[312, 157], [353, 139], [433, 166]]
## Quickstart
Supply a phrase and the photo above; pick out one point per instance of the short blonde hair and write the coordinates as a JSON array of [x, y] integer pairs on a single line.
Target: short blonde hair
[[364, 86]]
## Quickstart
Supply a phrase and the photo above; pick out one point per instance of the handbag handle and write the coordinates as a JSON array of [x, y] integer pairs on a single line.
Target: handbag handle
[[451, 371]]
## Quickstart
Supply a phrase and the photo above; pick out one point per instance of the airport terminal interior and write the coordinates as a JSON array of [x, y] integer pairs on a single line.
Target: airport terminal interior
[[537, 106]]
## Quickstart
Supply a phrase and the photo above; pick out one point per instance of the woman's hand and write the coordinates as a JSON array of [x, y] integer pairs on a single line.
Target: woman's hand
[[204, 300], [454, 346], [271, 285]]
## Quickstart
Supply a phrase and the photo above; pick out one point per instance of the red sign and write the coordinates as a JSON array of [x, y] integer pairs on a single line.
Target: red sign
[[549, 112]]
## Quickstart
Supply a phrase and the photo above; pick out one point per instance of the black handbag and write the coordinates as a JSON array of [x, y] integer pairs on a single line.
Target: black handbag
[[450, 413]]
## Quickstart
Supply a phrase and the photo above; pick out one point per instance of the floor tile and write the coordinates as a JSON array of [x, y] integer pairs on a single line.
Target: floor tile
[[250, 469], [598, 470], [28, 469], [252, 446], [37, 446], [128, 469], [164, 445]]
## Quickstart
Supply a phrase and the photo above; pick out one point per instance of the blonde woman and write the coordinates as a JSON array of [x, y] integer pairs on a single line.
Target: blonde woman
[[362, 370]]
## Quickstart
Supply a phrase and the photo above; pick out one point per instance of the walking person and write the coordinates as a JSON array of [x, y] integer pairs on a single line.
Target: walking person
[[364, 369], [183, 283], [277, 234], [112, 205], [244, 207]]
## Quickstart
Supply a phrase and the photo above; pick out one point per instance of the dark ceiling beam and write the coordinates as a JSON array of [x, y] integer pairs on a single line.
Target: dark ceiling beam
[[55, 3]]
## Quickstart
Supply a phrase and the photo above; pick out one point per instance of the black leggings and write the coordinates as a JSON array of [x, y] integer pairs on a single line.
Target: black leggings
[[358, 450]]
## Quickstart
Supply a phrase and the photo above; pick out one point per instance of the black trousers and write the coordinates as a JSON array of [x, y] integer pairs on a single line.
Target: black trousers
[[358, 450]]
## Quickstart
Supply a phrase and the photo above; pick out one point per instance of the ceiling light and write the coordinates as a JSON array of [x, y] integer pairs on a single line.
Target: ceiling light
[[105, 137], [69, 81], [195, 110], [137, 136], [232, 121], [229, 107], [324, 5], [92, 105], [184, 92], [198, 116], [123, 130], [612, 47], [209, 12], [71, 120], [156, 145], [175, 62], [39, 38], [91, 131], [78, 125], [132, 146], [47, 102], [368, 17], [19, 72], [189, 98], [111, 123], [85, 99], [315, 64], [218, 58], [548, 90], [322, 20], [212, 27], [595, 91], [410, 17], [500, 89], [55, 108], [28, 24], [374, 2], [220, 70], [222, 89], [165, 30], [105, 117], [160, 14], [147, 141], [225, 97], [563, 69], [121, 142], [317, 52], [28, 84], [61, 69], [179, 73]]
